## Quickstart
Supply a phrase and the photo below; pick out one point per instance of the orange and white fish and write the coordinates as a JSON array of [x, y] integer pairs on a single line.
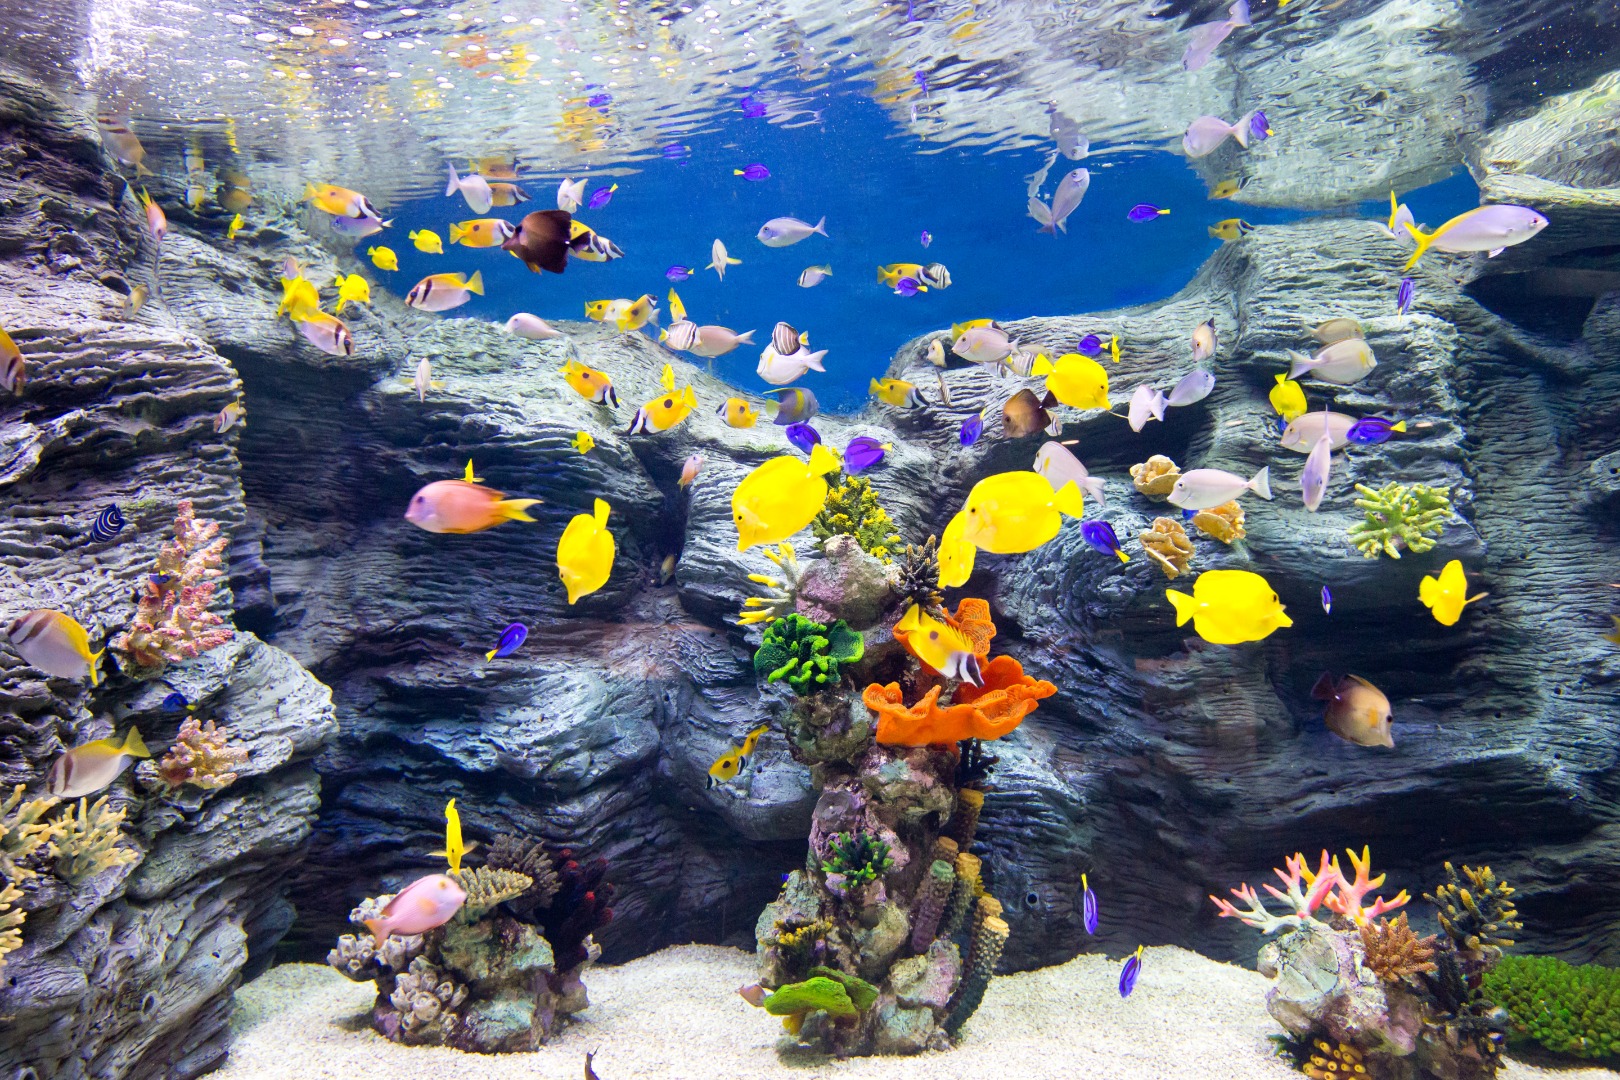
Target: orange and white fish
[[482, 232], [689, 470], [339, 201], [455, 506], [228, 417]]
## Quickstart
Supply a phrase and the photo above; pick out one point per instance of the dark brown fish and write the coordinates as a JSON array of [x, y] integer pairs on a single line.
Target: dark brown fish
[[590, 1073], [1357, 711], [1024, 414], [542, 240]]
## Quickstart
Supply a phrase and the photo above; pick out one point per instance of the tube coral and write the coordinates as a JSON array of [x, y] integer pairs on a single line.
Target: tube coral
[[172, 620], [22, 833], [1400, 516], [852, 507], [1337, 1061], [929, 904], [807, 654], [1394, 952], [201, 756], [87, 844], [781, 593], [965, 822], [963, 895], [989, 939], [1476, 910]]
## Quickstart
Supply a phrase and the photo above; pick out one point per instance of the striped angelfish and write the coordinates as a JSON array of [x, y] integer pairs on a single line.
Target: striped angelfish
[[785, 339], [108, 524]]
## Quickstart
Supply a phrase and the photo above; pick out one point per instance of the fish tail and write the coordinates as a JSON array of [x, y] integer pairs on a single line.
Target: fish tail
[[1429, 590], [823, 461], [821, 226], [456, 233], [379, 932], [487, 656], [513, 509], [736, 172], [887, 277], [1298, 364], [1399, 426], [142, 170], [450, 189], [1240, 130], [1122, 556], [875, 387], [1239, 12], [1423, 241], [134, 746], [601, 509], [1068, 500], [475, 284], [1185, 605], [1260, 483], [1393, 210], [745, 338], [1042, 366], [1323, 690]]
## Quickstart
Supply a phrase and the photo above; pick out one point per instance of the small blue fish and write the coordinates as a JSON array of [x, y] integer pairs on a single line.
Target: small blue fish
[[1327, 601], [1372, 430], [919, 76], [1403, 296], [751, 108], [862, 453], [679, 273], [1133, 970], [1260, 127], [108, 524], [1090, 345], [927, 238], [599, 102], [512, 637], [1144, 212], [1088, 906], [675, 151], [755, 172], [802, 436], [796, 404], [1101, 536], [907, 287], [972, 428], [602, 196], [161, 581], [176, 702], [1188, 515]]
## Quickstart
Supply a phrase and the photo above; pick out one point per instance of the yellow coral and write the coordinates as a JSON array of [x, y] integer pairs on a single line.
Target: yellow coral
[[10, 936], [87, 843], [1155, 477], [781, 593], [1167, 545], [1224, 522], [22, 832], [1334, 1062]]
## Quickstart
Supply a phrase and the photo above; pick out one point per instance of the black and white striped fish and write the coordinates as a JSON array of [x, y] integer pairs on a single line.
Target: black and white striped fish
[[935, 276], [785, 340], [108, 524]]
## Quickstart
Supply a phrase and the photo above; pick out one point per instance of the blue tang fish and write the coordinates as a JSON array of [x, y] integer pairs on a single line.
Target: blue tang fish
[[1088, 906], [1101, 536], [862, 453], [512, 637], [802, 436], [1131, 972]]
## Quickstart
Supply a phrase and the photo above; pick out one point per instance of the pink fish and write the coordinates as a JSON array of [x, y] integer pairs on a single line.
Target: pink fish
[[1207, 37], [689, 470], [418, 907], [1205, 134], [1313, 481]]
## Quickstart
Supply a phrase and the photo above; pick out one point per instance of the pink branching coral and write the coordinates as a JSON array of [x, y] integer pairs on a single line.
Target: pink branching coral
[[1307, 891], [201, 756], [172, 620]]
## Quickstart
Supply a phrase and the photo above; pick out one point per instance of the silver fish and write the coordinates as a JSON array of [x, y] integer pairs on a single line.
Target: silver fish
[[1059, 465], [1340, 329], [717, 340], [1203, 489], [779, 370], [813, 276], [1070, 190], [1194, 386], [783, 231], [1313, 480], [1303, 431], [1344, 362], [1146, 404]]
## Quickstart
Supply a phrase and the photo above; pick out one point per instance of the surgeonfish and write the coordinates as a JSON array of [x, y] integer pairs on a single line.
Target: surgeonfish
[[482, 232], [54, 643], [1313, 479], [1192, 388], [1445, 596], [352, 289], [939, 645], [1207, 37], [712, 341], [1070, 190], [297, 291], [1357, 711], [542, 240], [794, 405], [1491, 229], [730, 764], [592, 385], [473, 188], [585, 552], [424, 381], [383, 258], [455, 506], [1147, 403], [87, 769], [1229, 607], [1077, 381], [455, 849], [1204, 341], [1013, 512], [532, 327], [583, 442], [571, 195], [1145, 212], [897, 392], [339, 201], [441, 292], [228, 417], [956, 553], [424, 904], [1025, 414], [1373, 430], [781, 496], [426, 240], [719, 259], [812, 276], [677, 309], [664, 412], [785, 231], [511, 638], [737, 413], [1102, 538], [1303, 432], [324, 331], [1204, 489], [779, 370], [1344, 362], [357, 228], [862, 452], [1088, 906], [1059, 465], [13, 369], [1287, 398], [1205, 134], [1339, 329], [1133, 963]]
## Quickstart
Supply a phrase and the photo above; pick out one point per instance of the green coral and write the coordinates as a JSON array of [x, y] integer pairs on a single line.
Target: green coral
[[852, 508], [808, 654], [1400, 515], [1567, 1009], [858, 857], [818, 994], [861, 993]]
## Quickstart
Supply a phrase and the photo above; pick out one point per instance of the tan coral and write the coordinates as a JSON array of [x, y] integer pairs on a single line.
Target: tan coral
[[487, 886], [202, 757], [87, 843], [1167, 545], [23, 832], [10, 936], [1155, 477], [1394, 951], [1223, 522]]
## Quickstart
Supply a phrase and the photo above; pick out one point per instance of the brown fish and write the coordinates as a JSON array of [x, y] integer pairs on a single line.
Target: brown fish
[[1357, 711], [1025, 414], [590, 1073], [542, 240]]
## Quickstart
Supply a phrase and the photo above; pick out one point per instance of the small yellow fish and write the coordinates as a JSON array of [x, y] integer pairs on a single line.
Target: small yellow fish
[[1287, 398], [663, 413], [1228, 607], [737, 413], [640, 312], [585, 553], [1012, 512], [234, 227], [667, 376], [353, 289], [13, 368], [890, 275], [1077, 381], [958, 329], [298, 295], [427, 240], [1231, 229], [135, 301], [956, 554], [583, 442], [728, 765], [482, 232], [229, 417], [939, 645], [1447, 595], [782, 496], [467, 477], [56, 644], [383, 258], [338, 201], [600, 310], [594, 386], [677, 310], [1228, 188], [454, 848], [897, 392], [1113, 348]]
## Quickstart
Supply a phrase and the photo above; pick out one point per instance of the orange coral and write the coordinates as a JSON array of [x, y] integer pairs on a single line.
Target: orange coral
[[988, 712]]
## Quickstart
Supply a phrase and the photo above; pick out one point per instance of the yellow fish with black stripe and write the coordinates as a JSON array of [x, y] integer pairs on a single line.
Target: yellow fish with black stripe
[[664, 412], [897, 392], [737, 413], [1231, 229], [728, 765], [592, 385]]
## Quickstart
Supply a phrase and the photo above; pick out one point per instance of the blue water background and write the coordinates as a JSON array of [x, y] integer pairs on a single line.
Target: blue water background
[[878, 190]]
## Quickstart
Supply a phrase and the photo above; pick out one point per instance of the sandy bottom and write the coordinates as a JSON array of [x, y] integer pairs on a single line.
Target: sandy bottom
[[672, 1015]]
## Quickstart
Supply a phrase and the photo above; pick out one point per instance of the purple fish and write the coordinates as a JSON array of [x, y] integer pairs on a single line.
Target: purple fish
[[1101, 536], [512, 637], [600, 102], [795, 404], [972, 428], [1132, 971], [751, 107], [1088, 906], [907, 287], [1259, 127], [927, 238], [1144, 212], [1403, 296], [675, 151], [1090, 345], [862, 453], [602, 196], [1372, 430], [803, 436], [1327, 601], [753, 172], [920, 77], [679, 273]]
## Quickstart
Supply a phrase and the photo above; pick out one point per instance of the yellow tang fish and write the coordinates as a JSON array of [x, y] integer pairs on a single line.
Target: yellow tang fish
[[353, 289], [897, 392], [55, 644], [735, 760], [956, 554], [1075, 380], [468, 477], [427, 240], [583, 442], [737, 413], [1012, 512], [585, 553], [298, 295], [1231, 229], [667, 376], [663, 413], [383, 258], [782, 496], [339, 201], [939, 645], [454, 848], [1447, 595], [594, 386], [482, 232], [1228, 607], [234, 227], [85, 770], [677, 310], [1287, 398], [958, 329], [890, 275]]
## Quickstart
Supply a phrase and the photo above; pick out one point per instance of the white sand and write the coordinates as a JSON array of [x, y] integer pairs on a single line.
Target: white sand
[[673, 1015]]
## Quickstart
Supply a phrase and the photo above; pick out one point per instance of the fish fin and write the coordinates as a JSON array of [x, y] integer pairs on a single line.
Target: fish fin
[[745, 338], [456, 232], [1466, 602], [600, 512], [1494, 252], [475, 284], [1068, 500], [487, 656], [821, 226], [1122, 556], [813, 361], [1042, 366], [1323, 690], [133, 746], [513, 509], [1399, 426], [378, 932], [450, 189], [1049, 401], [1240, 130], [1185, 605], [1260, 483], [1298, 364], [823, 461], [1094, 486], [1423, 241], [967, 668], [1239, 13]]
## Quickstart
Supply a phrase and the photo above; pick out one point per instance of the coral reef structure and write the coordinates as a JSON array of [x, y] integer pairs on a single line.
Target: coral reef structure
[[852, 508], [202, 757], [1156, 477], [172, 620], [1166, 543], [1333, 1062], [1223, 522], [1394, 951], [86, 842], [1400, 515], [856, 859], [1569, 1010], [23, 832], [916, 578], [805, 653], [10, 921], [1476, 910]]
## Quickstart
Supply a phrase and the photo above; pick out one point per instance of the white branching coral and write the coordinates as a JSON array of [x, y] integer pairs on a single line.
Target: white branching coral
[[172, 620], [10, 920]]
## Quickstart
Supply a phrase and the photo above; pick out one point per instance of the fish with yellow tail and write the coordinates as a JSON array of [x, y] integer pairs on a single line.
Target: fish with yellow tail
[[339, 201], [1012, 512], [297, 291], [324, 331], [585, 553], [454, 848], [639, 313], [891, 274], [352, 289], [1229, 607], [781, 496], [729, 765], [939, 645], [1446, 596], [427, 240], [455, 506], [236, 226], [468, 477], [424, 381], [482, 232], [1077, 381], [956, 553], [664, 412], [1287, 398], [85, 770], [54, 643], [424, 904], [737, 413], [383, 258], [592, 385], [441, 292], [1491, 229], [583, 442], [897, 392], [1357, 711]]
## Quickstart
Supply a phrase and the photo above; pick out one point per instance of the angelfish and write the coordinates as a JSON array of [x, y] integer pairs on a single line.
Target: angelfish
[[87, 769]]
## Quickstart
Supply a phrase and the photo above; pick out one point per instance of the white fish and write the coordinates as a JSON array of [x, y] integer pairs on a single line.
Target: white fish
[[1146, 404], [783, 231], [1204, 489], [1205, 134], [1059, 465], [936, 352], [473, 188], [1313, 480], [1193, 387], [1399, 218], [721, 259], [1021, 362], [1070, 190], [570, 195], [984, 345], [681, 335], [1344, 362], [1206, 37], [1042, 214], [89, 768], [1204, 341], [717, 340], [358, 227], [1303, 431], [424, 380], [813, 276], [55, 643], [779, 370], [1071, 141], [532, 327]]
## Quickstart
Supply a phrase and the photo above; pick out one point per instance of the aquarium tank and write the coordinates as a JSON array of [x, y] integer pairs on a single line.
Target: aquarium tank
[[768, 538]]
